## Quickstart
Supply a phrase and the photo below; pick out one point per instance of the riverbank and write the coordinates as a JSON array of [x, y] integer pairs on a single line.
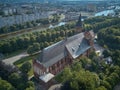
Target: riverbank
[[49, 26], [34, 29]]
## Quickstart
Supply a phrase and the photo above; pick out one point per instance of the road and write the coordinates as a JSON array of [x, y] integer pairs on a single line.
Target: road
[[13, 59], [21, 32]]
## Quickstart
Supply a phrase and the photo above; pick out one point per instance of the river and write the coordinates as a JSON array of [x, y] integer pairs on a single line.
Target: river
[[102, 13], [105, 13], [57, 25]]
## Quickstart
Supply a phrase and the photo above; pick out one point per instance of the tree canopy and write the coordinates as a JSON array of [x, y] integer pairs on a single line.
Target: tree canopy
[[25, 67], [4, 85]]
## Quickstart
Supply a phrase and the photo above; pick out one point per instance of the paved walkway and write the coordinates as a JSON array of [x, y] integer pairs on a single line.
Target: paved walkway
[[117, 87], [55, 87], [13, 59]]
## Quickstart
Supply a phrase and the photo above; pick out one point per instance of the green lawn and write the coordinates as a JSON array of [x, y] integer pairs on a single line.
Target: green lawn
[[14, 53], [26, 59]]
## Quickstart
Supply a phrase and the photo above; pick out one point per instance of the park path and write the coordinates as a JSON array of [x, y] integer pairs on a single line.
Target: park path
[[13, 59], [55, 87]]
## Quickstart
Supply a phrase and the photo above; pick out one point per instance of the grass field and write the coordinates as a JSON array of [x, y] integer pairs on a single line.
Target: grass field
[[14, 53], [26, 59]]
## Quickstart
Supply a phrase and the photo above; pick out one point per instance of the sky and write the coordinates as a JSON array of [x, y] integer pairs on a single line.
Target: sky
[[90, 0], [84, 0], [50, 0]]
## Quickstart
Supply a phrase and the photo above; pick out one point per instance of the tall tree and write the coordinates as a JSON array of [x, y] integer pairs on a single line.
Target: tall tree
[[4, 85], [25, 68]]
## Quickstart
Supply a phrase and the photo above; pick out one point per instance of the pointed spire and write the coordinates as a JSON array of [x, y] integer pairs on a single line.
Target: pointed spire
[[79, 18], [79, 22], [66, 35]]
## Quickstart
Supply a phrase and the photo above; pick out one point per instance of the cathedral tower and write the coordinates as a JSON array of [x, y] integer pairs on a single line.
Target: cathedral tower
[[79, 25]]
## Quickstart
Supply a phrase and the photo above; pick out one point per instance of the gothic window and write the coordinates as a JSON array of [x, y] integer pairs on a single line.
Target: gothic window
[[50, 68], [53, 67], [58, 64], [61, 61]]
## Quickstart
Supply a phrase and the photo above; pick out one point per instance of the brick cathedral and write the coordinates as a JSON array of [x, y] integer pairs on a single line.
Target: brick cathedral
[[56, 57]]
